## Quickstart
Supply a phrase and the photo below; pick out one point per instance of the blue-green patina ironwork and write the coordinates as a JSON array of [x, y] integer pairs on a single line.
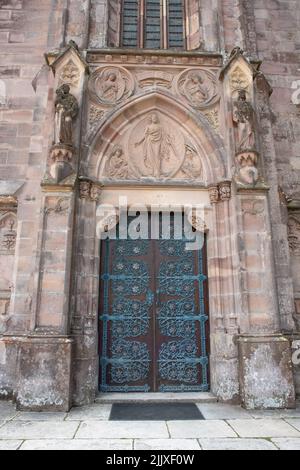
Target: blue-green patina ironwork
[[182, 363]]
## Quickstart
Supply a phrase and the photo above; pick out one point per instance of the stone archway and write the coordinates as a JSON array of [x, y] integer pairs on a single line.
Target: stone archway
[[212, 191]]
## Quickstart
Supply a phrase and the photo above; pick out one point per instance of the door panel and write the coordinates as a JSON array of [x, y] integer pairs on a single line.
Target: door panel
[[153, 317]]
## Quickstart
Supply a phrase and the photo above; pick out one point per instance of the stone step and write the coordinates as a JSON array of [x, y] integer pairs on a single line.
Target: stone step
[[110, 398]]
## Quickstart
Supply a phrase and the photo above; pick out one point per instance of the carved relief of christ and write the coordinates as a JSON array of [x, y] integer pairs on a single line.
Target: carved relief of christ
[[157, 146]]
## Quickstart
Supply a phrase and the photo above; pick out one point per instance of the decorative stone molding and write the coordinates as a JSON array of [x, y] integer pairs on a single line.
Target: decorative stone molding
[[8, 234], [294, 233], [70, 74], [213, 118], [57, 206], [90, 190], [118, 56]]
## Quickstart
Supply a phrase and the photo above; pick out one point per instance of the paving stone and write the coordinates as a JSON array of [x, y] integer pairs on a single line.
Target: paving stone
[[287, 444], [78, 444], [236, 444], [90, 413], [166, 444], [122, 430], [9, 445], [7, 411], [295, 423], [200, 429], [263, 428], [40, 416], [37, 429], [223, 411]]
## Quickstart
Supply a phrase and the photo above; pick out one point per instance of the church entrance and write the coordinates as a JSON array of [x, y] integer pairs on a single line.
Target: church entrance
[[153, 315]]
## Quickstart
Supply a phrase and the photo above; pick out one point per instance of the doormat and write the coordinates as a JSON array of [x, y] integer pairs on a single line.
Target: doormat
[[155, 412]]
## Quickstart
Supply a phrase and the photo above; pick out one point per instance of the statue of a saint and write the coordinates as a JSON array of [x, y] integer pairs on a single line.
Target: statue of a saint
[[157, 145], [243, 116], [66, 110]]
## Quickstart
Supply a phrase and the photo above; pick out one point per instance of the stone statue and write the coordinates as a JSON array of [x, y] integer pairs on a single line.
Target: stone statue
[[66, 110], [243, 116], [117, 166], [157, 146], [110, 87]]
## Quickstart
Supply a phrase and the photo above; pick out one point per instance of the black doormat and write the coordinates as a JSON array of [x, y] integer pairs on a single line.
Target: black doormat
[[154, 412]]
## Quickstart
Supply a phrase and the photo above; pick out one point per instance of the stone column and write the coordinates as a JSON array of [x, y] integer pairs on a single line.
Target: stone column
[[223, 313], [45, 365], [86, 294], [265, 366]]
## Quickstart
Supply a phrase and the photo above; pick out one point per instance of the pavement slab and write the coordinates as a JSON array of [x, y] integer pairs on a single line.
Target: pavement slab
[[223, 411], [122, 429], [90, 413], [267, 428], [9, 445], [166, 444], [287, 444], [200, 429], [236, 444], [37, 429], [78, 444]]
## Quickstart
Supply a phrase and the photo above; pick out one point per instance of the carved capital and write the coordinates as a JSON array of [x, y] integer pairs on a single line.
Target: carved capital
[[213, 194], [89, 190], [225, 190]]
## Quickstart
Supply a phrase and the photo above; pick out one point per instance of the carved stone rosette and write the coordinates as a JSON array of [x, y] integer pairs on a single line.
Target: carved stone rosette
[[110, 85]]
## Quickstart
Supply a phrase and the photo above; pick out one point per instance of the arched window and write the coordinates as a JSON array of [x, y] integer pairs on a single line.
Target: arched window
[[153, 24]]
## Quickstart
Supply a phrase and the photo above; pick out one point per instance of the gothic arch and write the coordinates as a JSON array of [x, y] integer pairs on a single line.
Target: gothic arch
[[192, 124]]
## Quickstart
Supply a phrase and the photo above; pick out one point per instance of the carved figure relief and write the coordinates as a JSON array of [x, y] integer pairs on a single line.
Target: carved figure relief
[[110, 85], [294, 234], [66, 110], [192, 166], [243, 117], [153, 148], [156, 149], [117, 166], [198, 87], [70, 74], [8, 233]]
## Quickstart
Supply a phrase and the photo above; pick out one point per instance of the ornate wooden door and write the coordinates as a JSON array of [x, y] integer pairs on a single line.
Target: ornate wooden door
[[153, 317]]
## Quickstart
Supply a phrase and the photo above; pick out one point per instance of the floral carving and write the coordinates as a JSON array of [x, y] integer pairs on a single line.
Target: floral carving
[[8, 233], [213, 118], [294, 234], [239, 80], [95, 116], [70, 74]]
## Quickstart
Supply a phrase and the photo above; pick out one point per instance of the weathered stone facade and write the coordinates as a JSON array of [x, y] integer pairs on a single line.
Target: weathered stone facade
[[65, 149]]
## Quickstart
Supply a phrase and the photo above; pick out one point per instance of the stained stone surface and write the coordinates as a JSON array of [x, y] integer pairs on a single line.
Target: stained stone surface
[[161, 127]]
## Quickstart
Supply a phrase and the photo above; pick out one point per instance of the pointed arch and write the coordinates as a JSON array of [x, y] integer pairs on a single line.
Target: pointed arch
[[194, 124]]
